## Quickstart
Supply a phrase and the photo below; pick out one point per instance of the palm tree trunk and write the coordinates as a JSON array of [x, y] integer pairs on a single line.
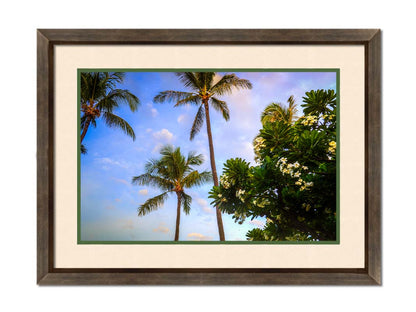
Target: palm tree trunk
[[84, 131], [213, 170], [178, 217]]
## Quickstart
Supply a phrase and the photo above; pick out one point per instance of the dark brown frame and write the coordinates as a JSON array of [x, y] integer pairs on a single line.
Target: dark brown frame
[[47, 274]]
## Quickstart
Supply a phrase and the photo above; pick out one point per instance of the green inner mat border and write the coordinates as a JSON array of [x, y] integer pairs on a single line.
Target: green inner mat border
[[116, 242]]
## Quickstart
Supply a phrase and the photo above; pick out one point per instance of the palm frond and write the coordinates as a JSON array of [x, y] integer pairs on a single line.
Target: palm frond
[[167, 150], [115, 121], [276, 112], [186, 201], [291, 101], [189, 80], [83, 149], [292, 107], [194, 159], [152, 165], [196, 178], [153, 180], [82, 121], [198, 122], [205, 79], [271, 112], [117, 97], [226, 84], [221, 106], [174, 162], [152, 204], [171, 96], [193, 99]]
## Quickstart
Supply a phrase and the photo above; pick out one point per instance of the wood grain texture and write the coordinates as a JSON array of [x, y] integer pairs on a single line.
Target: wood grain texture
[[373, 157], [43, 157], [208, 36], [224, 277], [48, 275]]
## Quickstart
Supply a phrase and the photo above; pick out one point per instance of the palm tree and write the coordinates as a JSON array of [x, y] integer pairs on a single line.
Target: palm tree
[[100, 96], [277, 112], [172, 173], [205, 91]]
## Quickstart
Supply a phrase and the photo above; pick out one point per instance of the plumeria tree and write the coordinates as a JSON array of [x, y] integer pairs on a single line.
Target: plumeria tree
[[293, 183]]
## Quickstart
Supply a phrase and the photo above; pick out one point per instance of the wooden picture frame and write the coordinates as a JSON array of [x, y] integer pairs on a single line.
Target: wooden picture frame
[[48, 274]]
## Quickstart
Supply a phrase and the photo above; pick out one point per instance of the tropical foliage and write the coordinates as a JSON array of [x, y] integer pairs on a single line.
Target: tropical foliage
[[277, 112], [293, 183], [172, 173], [205, 90], [100, 96]]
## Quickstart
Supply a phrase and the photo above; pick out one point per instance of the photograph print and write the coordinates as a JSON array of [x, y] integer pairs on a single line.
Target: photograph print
[[205, 156]]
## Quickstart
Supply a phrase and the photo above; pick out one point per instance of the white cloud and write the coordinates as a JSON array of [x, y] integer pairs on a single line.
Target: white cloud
[[144, 192], [257, 223], [149, 130], [204, 205], [208, 209], [157, 148], [154, 112], [201, 201], [161, 228], [163, 135], [108, 161], [182, 118], [122, 181], [128, 225], [198, 237]]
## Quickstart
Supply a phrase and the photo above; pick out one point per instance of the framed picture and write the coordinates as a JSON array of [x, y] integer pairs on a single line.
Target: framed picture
[[228, 157]]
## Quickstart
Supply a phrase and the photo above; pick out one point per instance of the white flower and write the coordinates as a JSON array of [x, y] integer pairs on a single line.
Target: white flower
[[309, 120], [224, 182], [239, 194]]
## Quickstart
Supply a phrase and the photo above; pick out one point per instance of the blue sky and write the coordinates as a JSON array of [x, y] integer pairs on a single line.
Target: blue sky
[[109, 201]]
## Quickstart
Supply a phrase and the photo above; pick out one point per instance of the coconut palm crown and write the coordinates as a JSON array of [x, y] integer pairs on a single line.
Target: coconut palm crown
[[205, 90], [172, 173], [100, 97], [277, 112]]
